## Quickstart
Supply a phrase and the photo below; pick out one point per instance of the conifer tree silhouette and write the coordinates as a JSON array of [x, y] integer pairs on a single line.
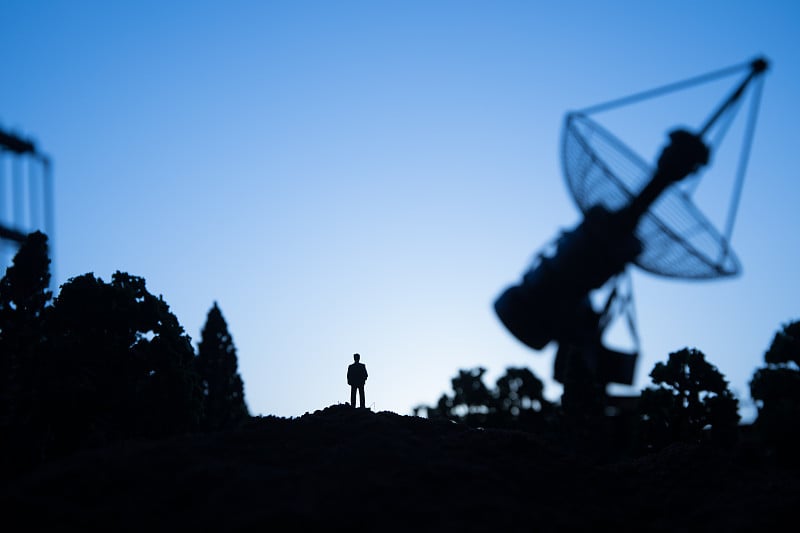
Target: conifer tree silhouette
[[223, 390], [24, 297]]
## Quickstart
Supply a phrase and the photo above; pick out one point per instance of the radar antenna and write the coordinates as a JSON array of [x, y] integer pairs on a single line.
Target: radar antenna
[[632, 215]]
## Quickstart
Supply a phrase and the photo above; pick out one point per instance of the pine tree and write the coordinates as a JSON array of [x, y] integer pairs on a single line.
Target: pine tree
[[24, 298], [24, 289], [24, 294], [223, 389]]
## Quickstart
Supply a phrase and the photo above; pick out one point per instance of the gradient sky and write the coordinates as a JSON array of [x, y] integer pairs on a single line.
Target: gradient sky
[[368, 176]]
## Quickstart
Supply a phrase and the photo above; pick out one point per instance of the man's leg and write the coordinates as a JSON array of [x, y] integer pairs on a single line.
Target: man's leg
[[361, 395], [352, 395]]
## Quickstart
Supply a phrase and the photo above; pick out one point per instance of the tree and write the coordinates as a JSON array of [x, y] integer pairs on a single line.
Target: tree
[[691, 397], [24, 290], [24, 299], [776, 391], [518, 391], [119, 365], [223, 390], [517, 401]]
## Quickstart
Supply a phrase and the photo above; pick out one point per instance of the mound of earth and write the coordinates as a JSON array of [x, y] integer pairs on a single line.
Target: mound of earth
[[351, 469]]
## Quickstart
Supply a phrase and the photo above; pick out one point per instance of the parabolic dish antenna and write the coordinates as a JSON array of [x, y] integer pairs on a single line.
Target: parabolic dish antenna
[[678, 241], [633, 214]]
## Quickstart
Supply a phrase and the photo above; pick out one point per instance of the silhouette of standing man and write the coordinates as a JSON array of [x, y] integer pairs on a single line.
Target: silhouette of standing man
[[356, 377]]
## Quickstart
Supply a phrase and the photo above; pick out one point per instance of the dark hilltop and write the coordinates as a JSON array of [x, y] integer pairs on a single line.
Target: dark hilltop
[[351, 469]]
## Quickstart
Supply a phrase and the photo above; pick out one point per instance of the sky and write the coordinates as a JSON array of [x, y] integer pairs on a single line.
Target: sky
[[368, 177]]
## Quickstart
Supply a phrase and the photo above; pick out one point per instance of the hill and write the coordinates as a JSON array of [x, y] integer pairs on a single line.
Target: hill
[[352, 469]]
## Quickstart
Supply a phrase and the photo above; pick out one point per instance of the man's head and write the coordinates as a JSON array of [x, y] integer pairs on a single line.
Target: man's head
[[356, 357]]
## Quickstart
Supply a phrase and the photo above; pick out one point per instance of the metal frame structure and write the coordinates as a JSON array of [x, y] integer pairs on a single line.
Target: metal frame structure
[[26, 192]]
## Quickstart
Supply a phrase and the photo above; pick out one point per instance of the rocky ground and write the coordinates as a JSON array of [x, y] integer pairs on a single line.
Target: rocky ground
[[355, 470]]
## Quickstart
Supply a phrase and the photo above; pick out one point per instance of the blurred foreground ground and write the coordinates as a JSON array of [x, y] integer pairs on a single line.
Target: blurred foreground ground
[[355, 470]]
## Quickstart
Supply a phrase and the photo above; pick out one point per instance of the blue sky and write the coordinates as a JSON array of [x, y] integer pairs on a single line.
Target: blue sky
[[368, 176]]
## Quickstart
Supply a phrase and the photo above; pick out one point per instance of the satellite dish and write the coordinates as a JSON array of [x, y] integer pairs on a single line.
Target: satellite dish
[[633, 214], [679, 242]]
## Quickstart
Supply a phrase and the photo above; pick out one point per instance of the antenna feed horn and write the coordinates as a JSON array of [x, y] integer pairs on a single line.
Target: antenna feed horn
[[759, 65], [685, 154]]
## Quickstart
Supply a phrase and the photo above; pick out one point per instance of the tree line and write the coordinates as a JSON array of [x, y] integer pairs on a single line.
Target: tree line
[[108, 361], [688, 401], [103, 362]]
